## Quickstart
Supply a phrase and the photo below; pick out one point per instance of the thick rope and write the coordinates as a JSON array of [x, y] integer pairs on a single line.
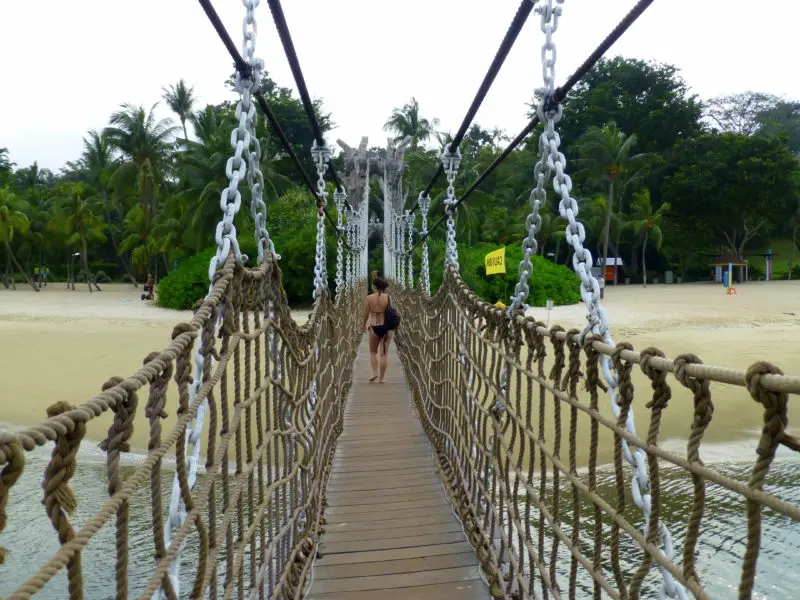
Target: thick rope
[[473, 386], [281, 460], [59, 499], [119, 435]]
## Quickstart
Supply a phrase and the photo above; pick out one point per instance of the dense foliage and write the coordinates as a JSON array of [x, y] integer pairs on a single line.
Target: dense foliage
[[662, 179]]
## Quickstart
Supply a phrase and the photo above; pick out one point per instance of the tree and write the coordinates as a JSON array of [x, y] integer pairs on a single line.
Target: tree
[[646, 99], [739, 113], [99, 164], [6, 166], [80, 224], [729, 188], [407, 121], [782, 121], [12, 220], [607, 153], [646, 225], [180, 98], [144, 145]]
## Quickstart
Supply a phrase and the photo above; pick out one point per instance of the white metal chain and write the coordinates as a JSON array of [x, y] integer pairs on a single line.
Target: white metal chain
[[236, 169], [590, 291], [450, 162], [538, 197], [398, 254], [321, 155], [339, 197], [424, 202], [410, 218], [348, 266]]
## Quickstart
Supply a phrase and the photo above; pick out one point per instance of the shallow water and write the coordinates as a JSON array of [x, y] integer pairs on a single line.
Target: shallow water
[[32, 540]]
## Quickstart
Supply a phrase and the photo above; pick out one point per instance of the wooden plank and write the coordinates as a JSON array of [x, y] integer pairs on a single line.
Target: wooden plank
[[391, 532], [351, 558], [462, 590], [379, 484], [449, 526], [399, 514], [376, 508], [389, 476], [401, 580], [392, 543], [390, 523], [391, 567], [374, 496]]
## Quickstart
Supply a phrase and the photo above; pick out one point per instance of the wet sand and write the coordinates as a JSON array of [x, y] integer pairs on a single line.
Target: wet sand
[[62, 345]]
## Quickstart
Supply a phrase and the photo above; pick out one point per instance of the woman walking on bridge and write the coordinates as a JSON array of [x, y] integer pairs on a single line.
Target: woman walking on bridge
[[380, 336]]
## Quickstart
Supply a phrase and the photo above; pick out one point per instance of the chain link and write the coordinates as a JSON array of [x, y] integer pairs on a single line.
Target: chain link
[[590, 289], [410, 219], [450, 162], [542, 174], [398, 254], [339, 197], [243, 137], [322, 156], [424, 202]]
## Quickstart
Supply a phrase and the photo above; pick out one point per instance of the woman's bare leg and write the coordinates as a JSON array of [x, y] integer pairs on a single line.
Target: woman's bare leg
[[374, 342], [384, 361]]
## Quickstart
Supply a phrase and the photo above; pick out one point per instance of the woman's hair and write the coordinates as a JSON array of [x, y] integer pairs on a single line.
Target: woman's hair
[[380, 284]]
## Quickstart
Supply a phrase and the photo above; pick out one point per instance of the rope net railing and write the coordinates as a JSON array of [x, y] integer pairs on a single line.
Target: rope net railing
[[517, 418], [273, 394]]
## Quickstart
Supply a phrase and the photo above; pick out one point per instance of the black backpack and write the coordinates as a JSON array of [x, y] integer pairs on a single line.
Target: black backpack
[[391, 318]]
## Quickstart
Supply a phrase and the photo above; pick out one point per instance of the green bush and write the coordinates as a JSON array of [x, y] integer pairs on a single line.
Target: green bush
[[186, 284], [293, 228], [550, 281]]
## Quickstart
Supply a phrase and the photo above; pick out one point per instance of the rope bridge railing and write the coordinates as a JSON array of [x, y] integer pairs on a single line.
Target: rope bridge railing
[[273, 393], [515, 414]]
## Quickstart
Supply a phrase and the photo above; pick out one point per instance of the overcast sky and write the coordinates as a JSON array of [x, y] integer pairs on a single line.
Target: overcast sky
[[66, 66]]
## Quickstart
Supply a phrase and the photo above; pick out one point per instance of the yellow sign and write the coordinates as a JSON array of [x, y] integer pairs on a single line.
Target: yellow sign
[[496, 262]]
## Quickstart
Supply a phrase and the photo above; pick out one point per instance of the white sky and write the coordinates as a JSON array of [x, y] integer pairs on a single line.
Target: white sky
[[66, 66]]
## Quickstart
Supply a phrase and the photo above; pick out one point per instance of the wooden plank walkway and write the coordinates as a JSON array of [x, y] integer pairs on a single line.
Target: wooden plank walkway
[[391, 533]]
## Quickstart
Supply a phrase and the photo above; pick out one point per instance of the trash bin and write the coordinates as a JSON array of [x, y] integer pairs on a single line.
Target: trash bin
[[725, 279]]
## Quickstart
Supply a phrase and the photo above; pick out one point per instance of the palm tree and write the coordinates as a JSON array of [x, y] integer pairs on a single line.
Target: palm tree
[[607, 154], [181, 99], [553, 229], [81, 225], [99, 163], [6, 166], [12, 220], [145, 148], [647, 224], [406, 121]]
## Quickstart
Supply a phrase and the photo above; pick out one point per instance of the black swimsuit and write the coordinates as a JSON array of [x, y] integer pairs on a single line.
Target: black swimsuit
[[379, 330]]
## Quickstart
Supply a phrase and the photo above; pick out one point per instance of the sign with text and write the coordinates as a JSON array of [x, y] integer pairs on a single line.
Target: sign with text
[[496, 262]]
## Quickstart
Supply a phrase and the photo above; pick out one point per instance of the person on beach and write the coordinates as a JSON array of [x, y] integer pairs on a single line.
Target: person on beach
[[148, 288], [380, 336]]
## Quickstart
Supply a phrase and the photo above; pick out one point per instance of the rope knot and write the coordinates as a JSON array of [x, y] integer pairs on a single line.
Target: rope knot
[[62, 465], [775, 406], [623, 368], [559, 342], [700, 388], [661, 391], [180, 329], [14, 458], [121, 430]]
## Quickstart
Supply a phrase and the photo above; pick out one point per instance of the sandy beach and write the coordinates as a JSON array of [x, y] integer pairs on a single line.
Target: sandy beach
[[62, 345]]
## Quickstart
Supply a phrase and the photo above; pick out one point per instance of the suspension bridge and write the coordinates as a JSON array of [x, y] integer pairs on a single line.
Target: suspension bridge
[[471, 473]]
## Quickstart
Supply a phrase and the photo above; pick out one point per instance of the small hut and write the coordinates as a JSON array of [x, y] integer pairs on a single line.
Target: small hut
[[723, 264]]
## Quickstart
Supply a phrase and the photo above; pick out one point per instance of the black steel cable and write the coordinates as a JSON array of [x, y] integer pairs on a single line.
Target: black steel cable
[[297, 71], [245, 71], [523, 12], [558, 97]]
